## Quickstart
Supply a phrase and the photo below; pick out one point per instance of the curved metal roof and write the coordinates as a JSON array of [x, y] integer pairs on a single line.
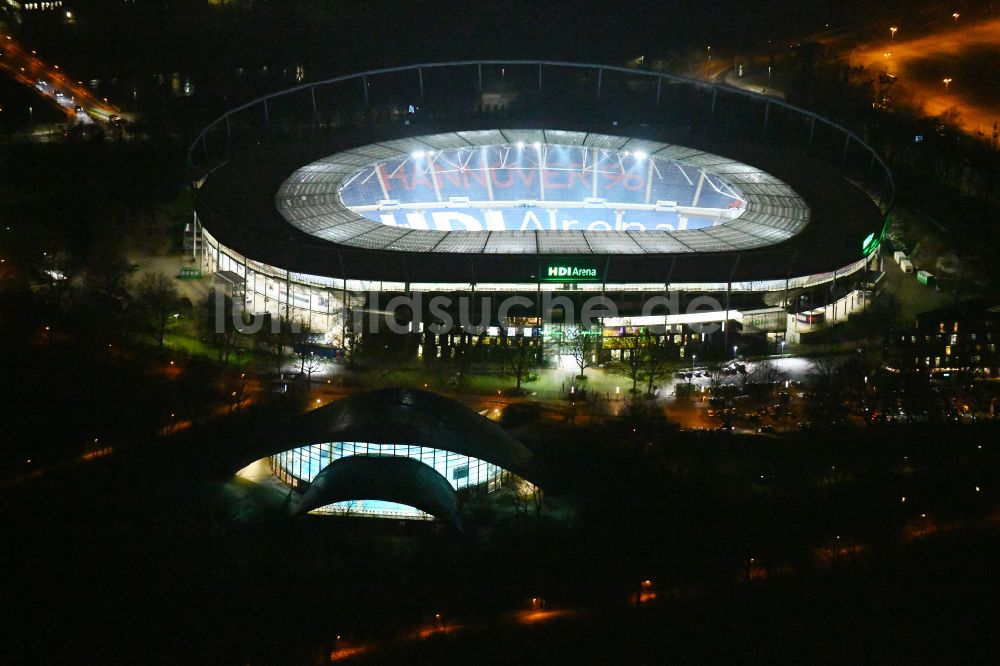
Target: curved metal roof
[[387, 478], [309, 200], [411, 416]]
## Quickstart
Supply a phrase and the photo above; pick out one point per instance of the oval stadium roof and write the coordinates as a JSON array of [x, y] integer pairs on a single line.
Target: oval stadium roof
[[310, 199]]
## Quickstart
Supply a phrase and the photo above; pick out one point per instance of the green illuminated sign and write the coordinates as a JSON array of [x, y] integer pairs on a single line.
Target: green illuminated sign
[[569, 271], [868, 244], [872, 241]]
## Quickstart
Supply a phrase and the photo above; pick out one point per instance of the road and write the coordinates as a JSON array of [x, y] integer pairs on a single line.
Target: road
[[962, 50], [610, 388], [754, 84], [965, 52], [53, 84]]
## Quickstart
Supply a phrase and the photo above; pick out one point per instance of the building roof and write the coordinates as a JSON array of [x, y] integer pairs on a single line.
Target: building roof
[[236, 205], [411, 416]]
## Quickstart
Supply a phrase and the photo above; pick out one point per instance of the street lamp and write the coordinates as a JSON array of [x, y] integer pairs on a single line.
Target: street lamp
[[735, 350], [946, 83], [709, 53], [892, 32], [955, 16]]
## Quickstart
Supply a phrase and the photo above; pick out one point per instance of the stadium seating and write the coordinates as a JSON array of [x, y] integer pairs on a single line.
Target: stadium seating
[[553, 187]]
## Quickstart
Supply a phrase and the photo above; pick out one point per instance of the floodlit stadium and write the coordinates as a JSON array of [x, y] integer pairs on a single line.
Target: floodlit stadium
[[505, 191], [324, 203], [514, 186]]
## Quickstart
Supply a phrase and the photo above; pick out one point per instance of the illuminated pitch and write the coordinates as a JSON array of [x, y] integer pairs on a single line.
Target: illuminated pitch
[[515, 191], [538, 187]]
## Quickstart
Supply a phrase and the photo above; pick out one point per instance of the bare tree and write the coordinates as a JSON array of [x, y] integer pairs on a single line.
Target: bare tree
[[274, 337], [158, 297], [537, 499], [348, 507], [221, 337], [825, 369], [631, 363], [656, 363], [309, 361], [765, 377], [349, 345], [716, 376], [520, 358], [583, 346], [526, 497], [768, 372]]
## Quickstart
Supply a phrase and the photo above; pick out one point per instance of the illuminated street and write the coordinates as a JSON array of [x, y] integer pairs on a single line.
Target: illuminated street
[[964, 53], [53, 83]]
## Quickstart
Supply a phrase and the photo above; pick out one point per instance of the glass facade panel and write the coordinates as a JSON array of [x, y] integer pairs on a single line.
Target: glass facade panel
[[298, 468]]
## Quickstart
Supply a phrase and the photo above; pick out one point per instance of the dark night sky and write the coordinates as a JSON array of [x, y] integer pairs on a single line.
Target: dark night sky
[[346, 35]]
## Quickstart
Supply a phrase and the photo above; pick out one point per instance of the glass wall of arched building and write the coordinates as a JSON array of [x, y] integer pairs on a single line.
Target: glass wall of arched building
[[297, 468]]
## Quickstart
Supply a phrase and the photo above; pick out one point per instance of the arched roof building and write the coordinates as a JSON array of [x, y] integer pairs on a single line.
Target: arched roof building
[[408, 447]]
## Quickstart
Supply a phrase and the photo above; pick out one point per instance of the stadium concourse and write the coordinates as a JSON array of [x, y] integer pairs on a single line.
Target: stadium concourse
[[764, 241]]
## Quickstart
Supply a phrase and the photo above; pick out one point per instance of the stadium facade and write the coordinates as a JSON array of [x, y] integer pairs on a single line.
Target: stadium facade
[[650, 194]]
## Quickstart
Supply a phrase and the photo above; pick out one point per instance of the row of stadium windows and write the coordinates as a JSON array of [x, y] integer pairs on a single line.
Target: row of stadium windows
[[218, 255], [319, 301]]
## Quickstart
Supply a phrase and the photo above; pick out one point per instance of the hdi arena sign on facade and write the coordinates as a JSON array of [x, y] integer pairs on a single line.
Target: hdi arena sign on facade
[[566, 271]]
